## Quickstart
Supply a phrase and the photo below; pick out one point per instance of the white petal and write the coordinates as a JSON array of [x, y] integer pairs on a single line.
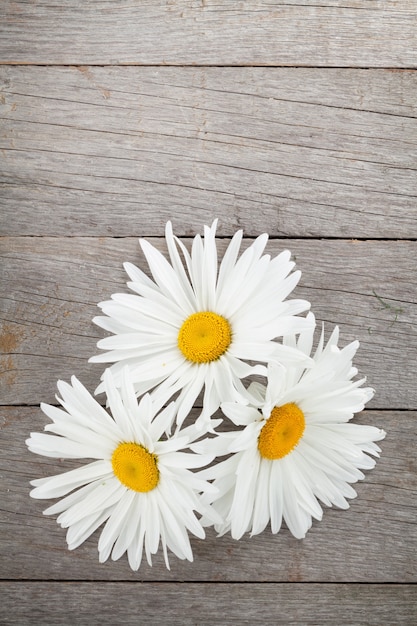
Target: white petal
[[243, 502], [276, 498], [118, 519], [60, 447], [80, 531], [229, 260], [239, 414], [165, 276], [261, 509], [61, 484]]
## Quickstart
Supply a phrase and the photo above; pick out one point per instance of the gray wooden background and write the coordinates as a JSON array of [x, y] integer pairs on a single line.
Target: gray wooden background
[[297, 118]]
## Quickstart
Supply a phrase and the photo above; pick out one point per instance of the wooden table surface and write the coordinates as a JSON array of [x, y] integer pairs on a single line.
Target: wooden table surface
[[296, 118]]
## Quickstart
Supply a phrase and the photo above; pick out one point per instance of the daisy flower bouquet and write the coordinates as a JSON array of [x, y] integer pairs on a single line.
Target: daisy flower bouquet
[[223, 336]]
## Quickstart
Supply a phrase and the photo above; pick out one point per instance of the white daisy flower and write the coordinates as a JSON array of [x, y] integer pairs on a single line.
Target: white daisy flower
[[139, 484], [297, 446], [197, 327]]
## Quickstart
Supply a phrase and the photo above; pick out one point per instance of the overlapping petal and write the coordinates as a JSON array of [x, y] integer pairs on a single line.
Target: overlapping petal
[[143, 484], [329, 455], [249, 291], [93, 494]]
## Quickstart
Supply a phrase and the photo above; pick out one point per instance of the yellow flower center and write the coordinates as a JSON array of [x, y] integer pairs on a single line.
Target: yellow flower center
[[204, 337], [281, 432], [135, 467]]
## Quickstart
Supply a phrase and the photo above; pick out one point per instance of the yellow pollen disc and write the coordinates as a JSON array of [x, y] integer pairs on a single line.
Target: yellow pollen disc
[[282, 431], [135, 467], [204, 337]]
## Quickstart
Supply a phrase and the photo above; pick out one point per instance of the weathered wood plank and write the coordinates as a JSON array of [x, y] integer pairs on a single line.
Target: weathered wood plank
[[117, 151], [356, 33], [174, 603], [50, 287], [373, 541]]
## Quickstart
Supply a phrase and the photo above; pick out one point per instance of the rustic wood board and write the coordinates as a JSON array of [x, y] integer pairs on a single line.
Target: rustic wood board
[[288, 116], [50, 288], [117, 151], [373, 541], [179, 604], [355, 33]]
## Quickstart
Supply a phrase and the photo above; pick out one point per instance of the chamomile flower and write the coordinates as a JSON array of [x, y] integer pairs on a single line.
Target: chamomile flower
[[297, 446], [139, 483], [197, 326]]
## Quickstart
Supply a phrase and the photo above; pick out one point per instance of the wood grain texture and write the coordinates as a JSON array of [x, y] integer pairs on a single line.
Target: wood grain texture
[[373, 541], [318, 149], [174, 603], [353, 33], [118, 151], [50, 288]]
